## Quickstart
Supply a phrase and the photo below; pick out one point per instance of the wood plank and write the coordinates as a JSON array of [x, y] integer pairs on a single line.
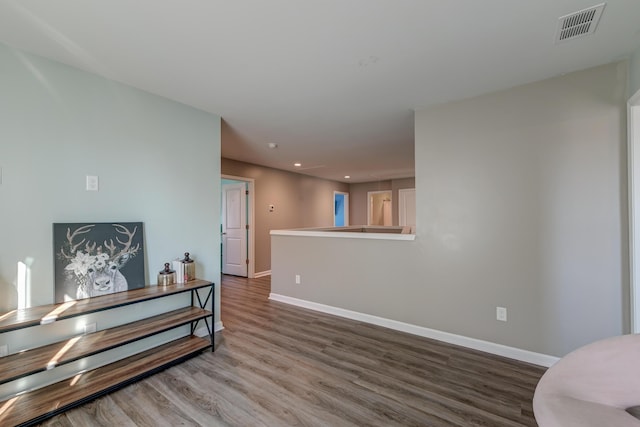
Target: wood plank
[[277, 364], [18, 319], [100, 412], [47, 357], [457, 385], [47, 401], [151, 408], [208, 403]]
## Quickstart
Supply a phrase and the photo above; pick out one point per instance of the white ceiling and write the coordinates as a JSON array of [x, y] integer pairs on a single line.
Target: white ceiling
[[333, 82]]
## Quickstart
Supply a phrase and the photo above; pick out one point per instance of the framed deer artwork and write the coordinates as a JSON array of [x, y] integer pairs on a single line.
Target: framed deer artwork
[[93, 259]]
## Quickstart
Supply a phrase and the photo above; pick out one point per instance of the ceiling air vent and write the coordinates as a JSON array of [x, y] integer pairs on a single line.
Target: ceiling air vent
[[579, 23]]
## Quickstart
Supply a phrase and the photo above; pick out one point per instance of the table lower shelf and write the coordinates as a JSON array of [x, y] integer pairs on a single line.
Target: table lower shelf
[[35, 406], [47, 357]]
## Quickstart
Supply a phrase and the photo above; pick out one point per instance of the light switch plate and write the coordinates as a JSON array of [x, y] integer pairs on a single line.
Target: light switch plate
[[4, 350], [90, 328]]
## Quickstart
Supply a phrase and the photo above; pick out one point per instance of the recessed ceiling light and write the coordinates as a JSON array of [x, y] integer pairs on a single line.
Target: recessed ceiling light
[[297, 165], [347, 176], [272, 145]]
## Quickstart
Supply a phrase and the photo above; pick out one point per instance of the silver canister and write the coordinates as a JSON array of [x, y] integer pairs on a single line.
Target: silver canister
[[189, 267], [167, 276]]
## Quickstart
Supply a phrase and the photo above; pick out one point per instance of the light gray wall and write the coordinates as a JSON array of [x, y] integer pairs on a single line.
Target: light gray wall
[[299, 200], [523, 194], [59, 124], [521, 203]]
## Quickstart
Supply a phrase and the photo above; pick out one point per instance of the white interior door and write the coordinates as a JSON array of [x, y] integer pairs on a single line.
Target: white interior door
[[234, 229], [407, 207]]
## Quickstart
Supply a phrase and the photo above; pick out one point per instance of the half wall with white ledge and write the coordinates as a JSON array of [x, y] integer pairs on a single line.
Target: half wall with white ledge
[[358, 273]]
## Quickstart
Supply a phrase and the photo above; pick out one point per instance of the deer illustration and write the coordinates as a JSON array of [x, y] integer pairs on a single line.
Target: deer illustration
[[95, 269]]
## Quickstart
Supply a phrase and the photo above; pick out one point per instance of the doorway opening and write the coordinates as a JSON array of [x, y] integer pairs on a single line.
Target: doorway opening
[[379, 208], [237, 229], [340, 209]]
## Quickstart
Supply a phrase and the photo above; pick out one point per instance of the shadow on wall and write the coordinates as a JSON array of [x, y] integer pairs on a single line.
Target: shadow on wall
[[8, 297]]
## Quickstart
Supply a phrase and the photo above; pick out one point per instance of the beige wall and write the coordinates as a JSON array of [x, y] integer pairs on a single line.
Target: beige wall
[[521, 203], [299, 200], [302, 201], [358, 197]]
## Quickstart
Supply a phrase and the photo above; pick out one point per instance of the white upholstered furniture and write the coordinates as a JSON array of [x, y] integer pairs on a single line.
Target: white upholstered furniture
[[592, 386]]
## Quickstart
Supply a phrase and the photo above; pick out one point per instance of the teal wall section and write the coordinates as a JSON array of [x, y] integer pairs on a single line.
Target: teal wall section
[[158, 161]]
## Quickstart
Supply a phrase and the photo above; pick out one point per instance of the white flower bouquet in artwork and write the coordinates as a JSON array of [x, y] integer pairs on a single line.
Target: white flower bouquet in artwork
[[97, 259]]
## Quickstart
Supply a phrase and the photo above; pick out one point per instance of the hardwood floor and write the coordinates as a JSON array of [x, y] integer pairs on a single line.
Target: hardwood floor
[[279, 365]]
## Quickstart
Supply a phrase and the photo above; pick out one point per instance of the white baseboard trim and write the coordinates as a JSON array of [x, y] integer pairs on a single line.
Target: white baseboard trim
[[203, 332], [262, 274], [476, 344]]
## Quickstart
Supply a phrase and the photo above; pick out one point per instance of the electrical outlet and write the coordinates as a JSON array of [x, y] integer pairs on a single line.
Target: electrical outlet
[[90, 328], [297, 279], [4, 350], [501, 314], [92, 183]]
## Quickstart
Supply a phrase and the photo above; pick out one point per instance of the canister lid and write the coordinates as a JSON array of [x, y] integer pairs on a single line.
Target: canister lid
[[186, 258], [167, 269]]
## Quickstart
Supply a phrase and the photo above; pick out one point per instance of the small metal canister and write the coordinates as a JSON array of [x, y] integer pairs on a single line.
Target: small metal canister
[[189, 267], [166, 276]]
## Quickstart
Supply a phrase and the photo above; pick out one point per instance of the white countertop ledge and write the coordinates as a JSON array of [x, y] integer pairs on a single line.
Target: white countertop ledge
[[310, 232]]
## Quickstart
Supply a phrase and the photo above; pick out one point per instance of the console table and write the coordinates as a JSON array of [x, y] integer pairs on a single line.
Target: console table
[[32, 407]]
